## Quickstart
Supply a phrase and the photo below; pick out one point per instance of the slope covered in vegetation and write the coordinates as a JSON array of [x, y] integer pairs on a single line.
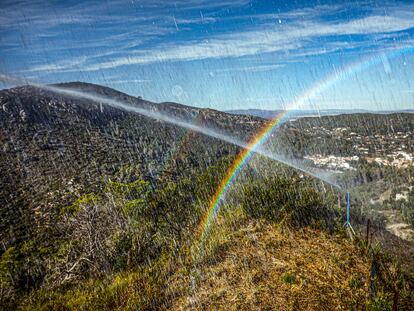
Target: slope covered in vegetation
[[101, 210], [131, 247]]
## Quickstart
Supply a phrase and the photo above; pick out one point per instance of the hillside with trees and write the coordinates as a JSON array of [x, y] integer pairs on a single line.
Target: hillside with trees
[[101, 209]]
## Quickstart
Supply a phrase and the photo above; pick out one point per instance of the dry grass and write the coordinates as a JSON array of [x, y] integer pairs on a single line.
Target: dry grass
[[263, 267], [247, 264]]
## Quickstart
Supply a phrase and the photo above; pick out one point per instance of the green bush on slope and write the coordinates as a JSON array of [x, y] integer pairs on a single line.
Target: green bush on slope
[[289, 201]]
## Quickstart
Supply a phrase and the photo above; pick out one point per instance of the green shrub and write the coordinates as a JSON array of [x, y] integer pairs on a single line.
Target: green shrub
[[381, 303], [291, 202], [355, 283], [289, 278]]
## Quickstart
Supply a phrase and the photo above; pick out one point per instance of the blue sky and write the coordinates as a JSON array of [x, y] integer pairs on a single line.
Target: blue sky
[[226, 54]]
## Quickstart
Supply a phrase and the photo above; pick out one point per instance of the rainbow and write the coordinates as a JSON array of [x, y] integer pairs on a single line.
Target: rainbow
[[263, 135], [237, 166]]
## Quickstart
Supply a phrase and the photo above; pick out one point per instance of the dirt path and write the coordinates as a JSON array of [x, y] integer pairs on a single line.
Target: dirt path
[[397, 226]]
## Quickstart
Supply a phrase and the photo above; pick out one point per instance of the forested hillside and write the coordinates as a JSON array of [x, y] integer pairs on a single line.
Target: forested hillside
[[102, 207], [55, 148]]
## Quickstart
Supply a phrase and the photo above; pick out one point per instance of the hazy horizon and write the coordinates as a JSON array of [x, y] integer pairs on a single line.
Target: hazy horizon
[[310, 109]]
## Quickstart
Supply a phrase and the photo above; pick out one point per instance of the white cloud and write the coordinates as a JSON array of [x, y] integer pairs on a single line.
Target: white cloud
[[294, 38], [201, 20], [193, 4], [129, 81], [273, 39], [18, 14], [257, 68], [376, 24], [63, 66]]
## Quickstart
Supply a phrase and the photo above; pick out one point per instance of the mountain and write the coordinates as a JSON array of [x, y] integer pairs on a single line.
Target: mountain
[[295, 114], [101, 209], [55, 147]]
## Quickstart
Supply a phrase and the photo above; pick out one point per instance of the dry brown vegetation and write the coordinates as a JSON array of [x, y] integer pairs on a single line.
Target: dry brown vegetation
[[262, 266], [245, 264]]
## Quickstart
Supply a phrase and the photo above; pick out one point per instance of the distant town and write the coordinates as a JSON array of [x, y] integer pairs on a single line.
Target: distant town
[[394, 149]]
